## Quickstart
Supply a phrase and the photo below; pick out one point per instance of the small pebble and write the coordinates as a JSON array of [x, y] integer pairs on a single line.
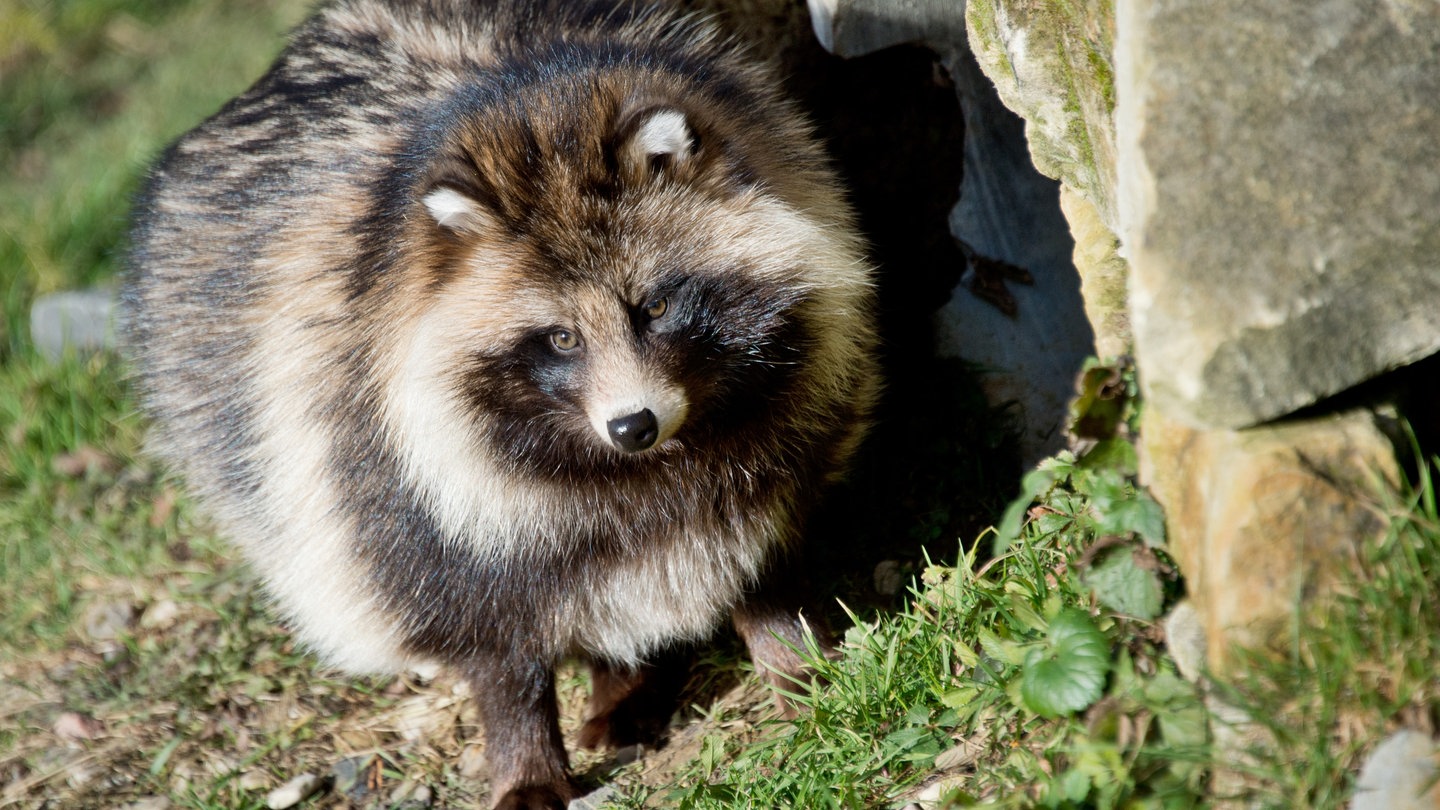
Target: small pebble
[[1400, 774], [82, 321], [472, 761], [293, 792], [149, 803], [351, 777], [1185, 638], [78, 774], [74, 726], [253, 781], [594, 800], [932, 793], [82, 461], [888, 578], [160, 615], [410, 794], [106, 621]]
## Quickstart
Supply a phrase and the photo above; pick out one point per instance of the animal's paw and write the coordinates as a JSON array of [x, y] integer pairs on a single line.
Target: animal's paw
[[633, 706], [631, 723], [535, 797]]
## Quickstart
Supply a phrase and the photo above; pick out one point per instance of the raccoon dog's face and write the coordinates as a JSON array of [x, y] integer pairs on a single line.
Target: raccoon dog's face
[[611, 279]]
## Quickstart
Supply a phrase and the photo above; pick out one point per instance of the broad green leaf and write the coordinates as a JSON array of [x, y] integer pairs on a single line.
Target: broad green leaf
[[1137, 512], [1034, 484], [1111, 454], [960, 698], [1010, 652], [1023, 613], [1125, 587], [1066, 673]]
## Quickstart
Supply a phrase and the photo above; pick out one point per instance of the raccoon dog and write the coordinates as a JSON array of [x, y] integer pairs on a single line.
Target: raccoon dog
[[496, 333]]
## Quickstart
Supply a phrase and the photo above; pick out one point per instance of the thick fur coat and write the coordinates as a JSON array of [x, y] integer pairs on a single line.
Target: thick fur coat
[[495, 333]]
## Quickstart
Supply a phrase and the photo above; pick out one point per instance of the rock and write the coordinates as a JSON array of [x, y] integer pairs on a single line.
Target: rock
[[82, 461], [628, 754], [964, 754], [1052, 64], [81, 772], [1236, 744], [148, 803], [471, 763], [83, 322], [851, 28], [889, 578], [930, 796], [293, 792], [160, 615], [1103, 275], [74, 727], [1280, 230], [1400, 774], [1262, 520], [108, 620], [1185, 640], [410, 795], [350, 777], [594, 800], [253, 781]]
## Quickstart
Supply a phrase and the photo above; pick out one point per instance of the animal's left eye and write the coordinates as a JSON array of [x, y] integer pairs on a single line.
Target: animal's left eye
[[656, 308], [564, 341]]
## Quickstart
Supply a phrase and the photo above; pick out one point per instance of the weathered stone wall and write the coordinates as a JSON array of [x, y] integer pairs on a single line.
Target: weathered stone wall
[[1252, 192], [1278, 193], [1266, 168]]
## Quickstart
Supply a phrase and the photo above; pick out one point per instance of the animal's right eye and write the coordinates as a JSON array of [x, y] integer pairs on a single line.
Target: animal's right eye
[[564, 341]]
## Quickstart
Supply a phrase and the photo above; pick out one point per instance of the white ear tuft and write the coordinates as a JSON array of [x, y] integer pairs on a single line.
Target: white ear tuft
[[665, 132], [455, 211]]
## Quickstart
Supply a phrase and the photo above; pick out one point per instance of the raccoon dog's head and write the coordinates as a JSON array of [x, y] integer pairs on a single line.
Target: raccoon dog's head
[[622, 263]]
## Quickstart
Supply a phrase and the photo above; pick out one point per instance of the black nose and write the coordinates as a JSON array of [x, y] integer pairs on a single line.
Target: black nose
[[634, 432]]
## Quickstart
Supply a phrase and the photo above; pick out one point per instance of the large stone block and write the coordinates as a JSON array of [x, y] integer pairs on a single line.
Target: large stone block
[[1262, 520], [1278, 193]]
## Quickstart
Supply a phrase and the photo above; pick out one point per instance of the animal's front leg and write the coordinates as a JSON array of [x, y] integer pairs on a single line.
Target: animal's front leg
[[528, 766], [774, 629]]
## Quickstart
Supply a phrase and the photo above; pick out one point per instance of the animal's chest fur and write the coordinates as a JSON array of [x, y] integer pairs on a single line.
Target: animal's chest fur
[[680, 589]]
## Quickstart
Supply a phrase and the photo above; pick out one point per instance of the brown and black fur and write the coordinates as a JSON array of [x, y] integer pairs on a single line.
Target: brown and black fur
[[345, 299]]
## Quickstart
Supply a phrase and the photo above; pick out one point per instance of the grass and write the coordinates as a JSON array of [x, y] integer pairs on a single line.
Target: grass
[[1365, 665], [86, 102], [93, 89], [137, 660], [969, 693], [1040, 679]]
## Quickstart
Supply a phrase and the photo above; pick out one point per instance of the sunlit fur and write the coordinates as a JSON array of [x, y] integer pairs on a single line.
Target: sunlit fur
[[342, 308]]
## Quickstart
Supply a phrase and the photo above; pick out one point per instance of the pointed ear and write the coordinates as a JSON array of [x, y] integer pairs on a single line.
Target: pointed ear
[[656, 138], [457, 211]]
